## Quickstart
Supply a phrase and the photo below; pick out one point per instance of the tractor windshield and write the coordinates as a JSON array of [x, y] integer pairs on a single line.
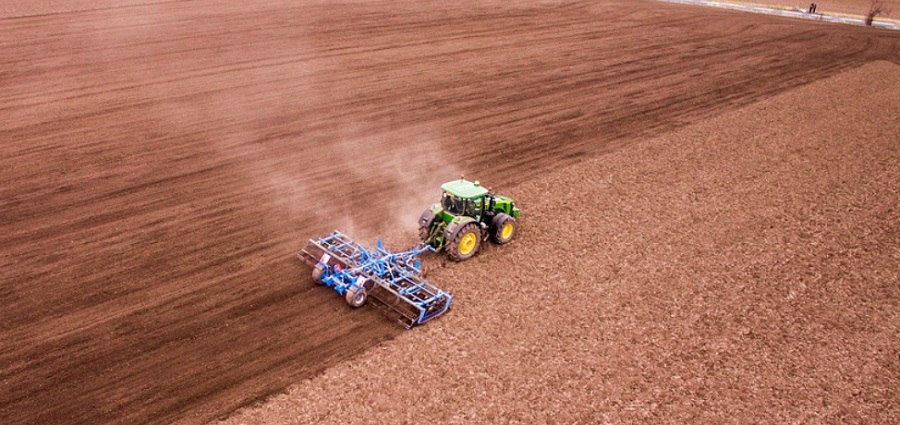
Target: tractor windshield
[[453, 204], [461, 206]]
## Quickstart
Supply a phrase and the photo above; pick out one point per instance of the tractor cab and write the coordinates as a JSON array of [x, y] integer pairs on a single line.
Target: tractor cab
[[463, 198]]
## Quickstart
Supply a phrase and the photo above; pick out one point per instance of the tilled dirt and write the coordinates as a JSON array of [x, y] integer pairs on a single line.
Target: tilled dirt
[[163, 162], [852, 7], [745, 269]]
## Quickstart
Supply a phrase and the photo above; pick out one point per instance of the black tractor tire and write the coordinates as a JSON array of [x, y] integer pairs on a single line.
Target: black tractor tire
[[503, 228], [465, 242], [356, 296], [317, 273], [426, 221]]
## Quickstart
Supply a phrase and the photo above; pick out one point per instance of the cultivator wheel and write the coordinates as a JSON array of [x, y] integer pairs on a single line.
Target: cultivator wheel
[[317, 273], [356, 296], [394, 280], [503, 229], [464, 244]]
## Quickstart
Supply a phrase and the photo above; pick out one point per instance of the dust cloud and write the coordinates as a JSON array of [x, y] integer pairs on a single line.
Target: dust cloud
[[282, 151], [368, 184], [406, 167]]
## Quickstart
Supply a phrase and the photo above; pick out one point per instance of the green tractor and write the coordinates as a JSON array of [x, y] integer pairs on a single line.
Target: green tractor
[[467, 214]]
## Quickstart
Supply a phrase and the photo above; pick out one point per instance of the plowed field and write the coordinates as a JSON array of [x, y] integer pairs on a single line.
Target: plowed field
[[744, 269], [161, 163], [852, 7]]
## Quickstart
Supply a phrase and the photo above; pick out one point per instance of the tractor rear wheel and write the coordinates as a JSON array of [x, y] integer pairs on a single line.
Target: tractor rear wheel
[[465, 242], [503, 228], [356, 296]]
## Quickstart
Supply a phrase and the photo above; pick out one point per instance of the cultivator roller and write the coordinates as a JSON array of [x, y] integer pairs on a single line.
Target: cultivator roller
[[392, 280]]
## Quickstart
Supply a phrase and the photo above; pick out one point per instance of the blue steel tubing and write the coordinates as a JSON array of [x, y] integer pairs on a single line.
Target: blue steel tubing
[[397, 273]]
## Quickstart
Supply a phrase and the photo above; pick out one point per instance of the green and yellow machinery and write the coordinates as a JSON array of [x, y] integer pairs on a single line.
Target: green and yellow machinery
[[467, 215]]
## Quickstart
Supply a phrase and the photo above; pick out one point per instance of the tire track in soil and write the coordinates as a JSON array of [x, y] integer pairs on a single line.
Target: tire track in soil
[[164, 162]]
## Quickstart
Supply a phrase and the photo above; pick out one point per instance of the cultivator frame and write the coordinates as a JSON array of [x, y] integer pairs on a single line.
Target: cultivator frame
[[394, 280]]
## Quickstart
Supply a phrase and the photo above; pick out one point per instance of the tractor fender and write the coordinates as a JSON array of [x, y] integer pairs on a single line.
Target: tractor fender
[[451, 229], [428, 223], [427, 218]]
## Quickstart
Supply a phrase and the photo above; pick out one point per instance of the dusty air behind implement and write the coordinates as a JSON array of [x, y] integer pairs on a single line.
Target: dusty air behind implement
[[466, 216]]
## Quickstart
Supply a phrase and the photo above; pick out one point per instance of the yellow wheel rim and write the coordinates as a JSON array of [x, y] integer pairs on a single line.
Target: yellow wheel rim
[[507, 231], [467, 243]]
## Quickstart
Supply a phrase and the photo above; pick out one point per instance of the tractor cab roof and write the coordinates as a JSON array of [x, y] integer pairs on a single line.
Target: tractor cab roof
[[464, 189]]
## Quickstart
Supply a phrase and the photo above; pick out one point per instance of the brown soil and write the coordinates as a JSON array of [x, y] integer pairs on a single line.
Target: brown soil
[[20, 8], [745, 269], [852, 7], [164, 162]]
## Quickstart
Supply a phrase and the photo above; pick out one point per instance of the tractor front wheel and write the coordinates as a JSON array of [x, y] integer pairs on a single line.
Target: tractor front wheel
[[356, 296], [503, 229], [465, 242]]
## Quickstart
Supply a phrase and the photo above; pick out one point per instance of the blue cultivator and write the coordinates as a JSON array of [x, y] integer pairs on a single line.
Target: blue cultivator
[[393, 280]]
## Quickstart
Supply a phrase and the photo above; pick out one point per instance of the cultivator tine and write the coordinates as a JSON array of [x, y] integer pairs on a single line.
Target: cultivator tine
[[392, 303], [392, 280], [339, 248]]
